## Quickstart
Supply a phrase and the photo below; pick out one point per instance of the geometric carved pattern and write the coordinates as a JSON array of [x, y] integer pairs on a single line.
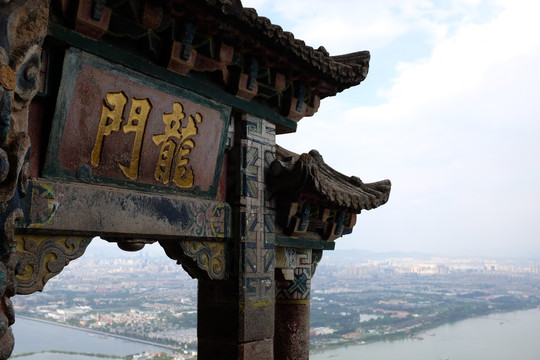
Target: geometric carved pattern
[[38, 258], [256, 215], [296, 289], [299, 284], [250, 175]]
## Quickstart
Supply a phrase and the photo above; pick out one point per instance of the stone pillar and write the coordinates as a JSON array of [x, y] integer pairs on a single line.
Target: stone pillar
[[236, 316], [293, 285]]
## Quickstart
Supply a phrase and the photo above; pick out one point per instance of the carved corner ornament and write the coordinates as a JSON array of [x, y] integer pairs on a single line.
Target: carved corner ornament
[[38, 258], [200, 259], [23, 26]]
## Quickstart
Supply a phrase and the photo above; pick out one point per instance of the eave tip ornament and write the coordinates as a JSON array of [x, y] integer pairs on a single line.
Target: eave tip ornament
[[317, 202]]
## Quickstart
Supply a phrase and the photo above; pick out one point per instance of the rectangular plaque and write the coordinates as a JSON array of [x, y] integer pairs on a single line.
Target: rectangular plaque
[[113, 125]]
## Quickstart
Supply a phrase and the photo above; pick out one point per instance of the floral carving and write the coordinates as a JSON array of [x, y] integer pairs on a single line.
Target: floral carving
[[200, 259], [39, 258]]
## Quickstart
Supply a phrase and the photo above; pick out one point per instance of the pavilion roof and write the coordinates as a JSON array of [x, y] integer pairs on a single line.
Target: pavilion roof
[[309, 174]]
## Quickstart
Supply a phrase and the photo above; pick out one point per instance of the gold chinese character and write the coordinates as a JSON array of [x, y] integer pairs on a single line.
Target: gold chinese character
[[111, 120], [181, 148], [136, 123]]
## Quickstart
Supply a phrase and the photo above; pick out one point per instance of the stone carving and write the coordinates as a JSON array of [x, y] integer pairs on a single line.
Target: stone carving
[[200, 259], [295, 289], [23, 26], [38, 258]]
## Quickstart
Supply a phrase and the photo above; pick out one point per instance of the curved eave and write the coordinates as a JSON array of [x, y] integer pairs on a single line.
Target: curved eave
[[282, 49], [309, 172]]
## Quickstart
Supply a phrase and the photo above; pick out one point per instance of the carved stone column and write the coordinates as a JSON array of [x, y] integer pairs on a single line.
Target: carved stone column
[[294, 270], [236, 316], [23, 26]]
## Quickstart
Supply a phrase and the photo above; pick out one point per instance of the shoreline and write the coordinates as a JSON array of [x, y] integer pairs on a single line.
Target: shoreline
[[329, 347], [410, 336], [97, 332]]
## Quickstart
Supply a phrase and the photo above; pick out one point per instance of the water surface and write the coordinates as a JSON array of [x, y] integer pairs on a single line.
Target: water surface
[[507, 336]]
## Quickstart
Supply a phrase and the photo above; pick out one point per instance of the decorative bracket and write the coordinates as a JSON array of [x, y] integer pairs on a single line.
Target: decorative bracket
[[200, 259], [38, 258]]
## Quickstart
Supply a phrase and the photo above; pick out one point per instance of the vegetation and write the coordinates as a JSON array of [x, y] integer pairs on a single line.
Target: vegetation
[[397, 314], [102, 356]]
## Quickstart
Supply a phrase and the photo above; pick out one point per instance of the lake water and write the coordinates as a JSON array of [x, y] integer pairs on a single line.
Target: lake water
[[34, 336], [506, 336], [496, 337]]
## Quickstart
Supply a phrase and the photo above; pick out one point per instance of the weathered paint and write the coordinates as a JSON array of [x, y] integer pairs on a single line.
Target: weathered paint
[[63, 208]]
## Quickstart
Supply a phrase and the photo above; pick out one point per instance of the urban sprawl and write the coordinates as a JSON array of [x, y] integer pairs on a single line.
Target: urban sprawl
[[356, 298]]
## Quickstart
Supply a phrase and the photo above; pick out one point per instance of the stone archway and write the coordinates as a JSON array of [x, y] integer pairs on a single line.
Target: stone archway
[[144, 122]]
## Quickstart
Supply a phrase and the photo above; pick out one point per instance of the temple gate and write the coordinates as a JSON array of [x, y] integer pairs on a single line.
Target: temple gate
[[155, 121]]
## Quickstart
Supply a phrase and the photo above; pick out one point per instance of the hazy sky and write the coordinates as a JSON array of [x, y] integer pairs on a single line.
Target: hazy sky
[[449, 112]]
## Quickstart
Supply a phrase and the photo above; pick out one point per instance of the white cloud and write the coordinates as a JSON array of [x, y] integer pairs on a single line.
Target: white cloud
[[350, 25], [457, 135]]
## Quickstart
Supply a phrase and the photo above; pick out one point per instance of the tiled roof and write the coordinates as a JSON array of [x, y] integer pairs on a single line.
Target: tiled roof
[[341, 71], [309, 173]]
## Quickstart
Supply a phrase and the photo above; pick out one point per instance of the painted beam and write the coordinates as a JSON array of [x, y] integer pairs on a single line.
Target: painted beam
[[70, 208], [305, 243]]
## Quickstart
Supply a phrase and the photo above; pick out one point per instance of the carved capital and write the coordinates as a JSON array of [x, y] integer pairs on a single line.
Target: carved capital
[[295, 268], [200, 259], [38, 258]]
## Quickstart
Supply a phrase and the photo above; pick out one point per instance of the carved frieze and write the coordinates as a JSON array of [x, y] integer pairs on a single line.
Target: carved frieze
[[55, 207]]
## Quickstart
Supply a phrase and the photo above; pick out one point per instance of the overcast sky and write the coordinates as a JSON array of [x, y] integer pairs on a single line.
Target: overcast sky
[[449, 113]]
